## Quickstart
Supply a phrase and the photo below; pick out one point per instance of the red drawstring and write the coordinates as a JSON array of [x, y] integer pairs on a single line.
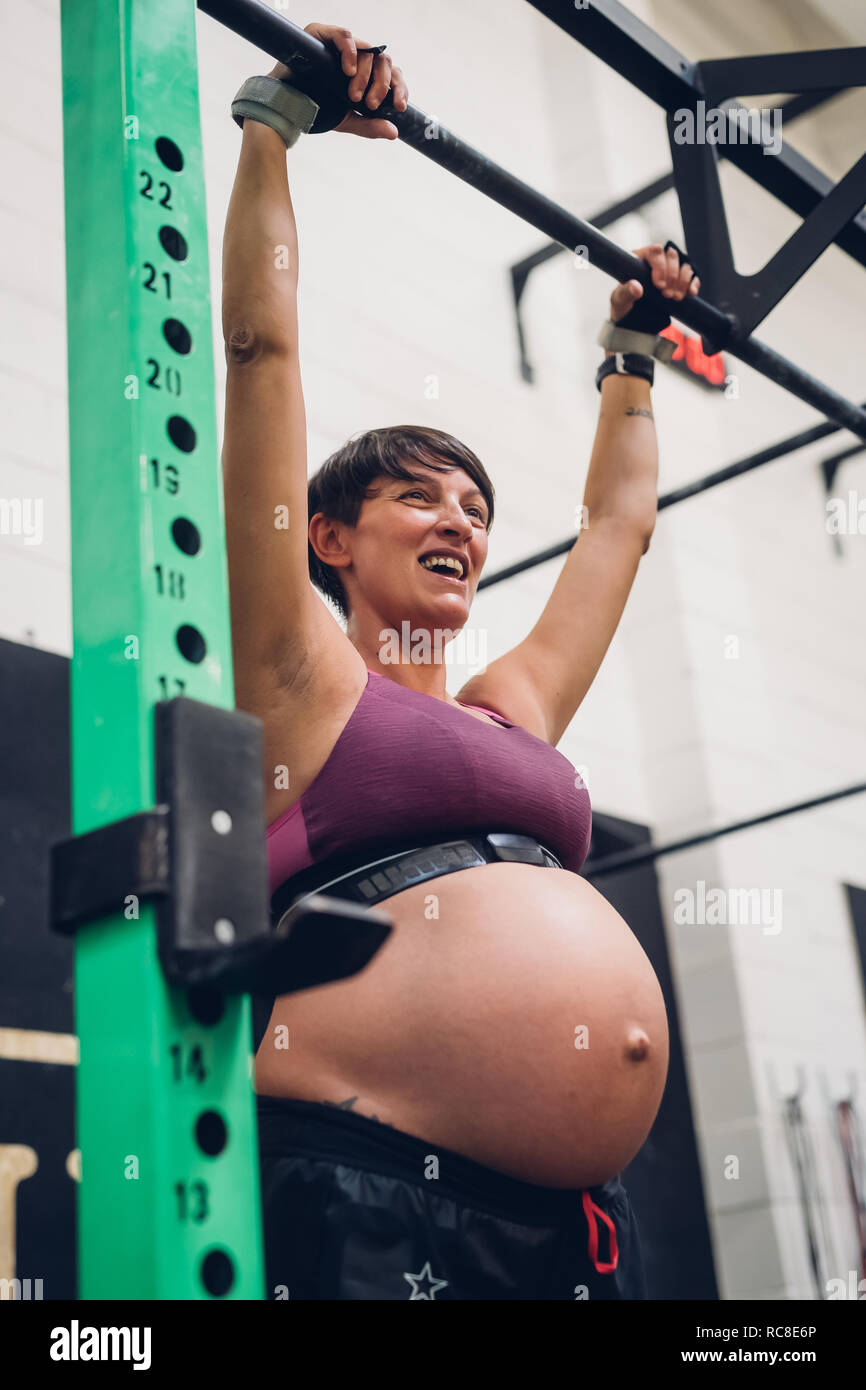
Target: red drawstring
[[590, 1209]]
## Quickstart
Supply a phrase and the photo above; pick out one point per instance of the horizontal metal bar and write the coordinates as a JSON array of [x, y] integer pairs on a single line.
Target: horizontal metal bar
[[644, 854], [539, 557], [669, 499], [610, 31], [605, 218], [759, 73]]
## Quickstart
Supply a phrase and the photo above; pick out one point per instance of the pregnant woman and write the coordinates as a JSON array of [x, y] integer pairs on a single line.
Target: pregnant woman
[[449, 1122]]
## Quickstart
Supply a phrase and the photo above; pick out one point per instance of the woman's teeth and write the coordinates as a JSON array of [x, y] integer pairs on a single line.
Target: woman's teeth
[[437, 563]]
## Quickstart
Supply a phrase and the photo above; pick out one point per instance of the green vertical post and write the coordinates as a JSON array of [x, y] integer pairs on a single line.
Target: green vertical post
[[169, 1196]]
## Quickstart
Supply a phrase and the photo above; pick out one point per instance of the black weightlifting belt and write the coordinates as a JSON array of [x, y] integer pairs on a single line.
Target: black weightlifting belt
[[370, 880]]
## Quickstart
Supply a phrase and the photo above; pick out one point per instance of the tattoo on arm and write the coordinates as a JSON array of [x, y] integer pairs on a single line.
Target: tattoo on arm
[[638, 410], [347, 1105]]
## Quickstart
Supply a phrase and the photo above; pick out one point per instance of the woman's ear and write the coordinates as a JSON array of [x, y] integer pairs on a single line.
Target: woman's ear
[[326, 536]]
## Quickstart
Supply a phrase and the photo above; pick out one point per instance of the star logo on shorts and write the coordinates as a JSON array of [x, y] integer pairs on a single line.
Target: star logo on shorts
[[431, 1284]]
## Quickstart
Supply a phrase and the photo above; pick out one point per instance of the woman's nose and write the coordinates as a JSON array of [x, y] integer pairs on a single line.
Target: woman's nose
[[457, 520]]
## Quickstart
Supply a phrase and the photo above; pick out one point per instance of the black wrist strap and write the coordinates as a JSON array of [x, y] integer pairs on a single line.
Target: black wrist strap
[[332, 110], [626, 364], [651, 313]]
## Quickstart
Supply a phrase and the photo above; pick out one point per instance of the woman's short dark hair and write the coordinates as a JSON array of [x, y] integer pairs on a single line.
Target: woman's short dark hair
[[338, 488]]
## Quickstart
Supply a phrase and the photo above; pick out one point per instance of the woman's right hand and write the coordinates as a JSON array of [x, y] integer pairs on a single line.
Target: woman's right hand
[[358, 67]]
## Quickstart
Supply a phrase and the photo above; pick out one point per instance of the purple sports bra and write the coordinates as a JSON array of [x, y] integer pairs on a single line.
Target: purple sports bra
[[409, 764]]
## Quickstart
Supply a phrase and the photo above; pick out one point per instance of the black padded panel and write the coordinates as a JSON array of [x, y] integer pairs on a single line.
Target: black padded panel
[[34, 811], [36, 1098]]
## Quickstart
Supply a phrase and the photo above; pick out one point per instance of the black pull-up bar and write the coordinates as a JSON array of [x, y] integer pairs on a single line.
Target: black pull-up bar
[[286, 42]]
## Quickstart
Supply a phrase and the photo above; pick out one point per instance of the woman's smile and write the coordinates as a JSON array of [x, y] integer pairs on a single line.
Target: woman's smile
[[447, 577]]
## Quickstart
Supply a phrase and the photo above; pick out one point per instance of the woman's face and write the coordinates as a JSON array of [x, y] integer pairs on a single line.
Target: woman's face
[[436, 513]]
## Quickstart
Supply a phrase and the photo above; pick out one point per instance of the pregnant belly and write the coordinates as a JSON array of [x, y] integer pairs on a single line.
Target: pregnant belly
[[511, 1016]]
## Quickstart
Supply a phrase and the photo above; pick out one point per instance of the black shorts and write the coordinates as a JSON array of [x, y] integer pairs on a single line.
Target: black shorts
[[354, 1209]]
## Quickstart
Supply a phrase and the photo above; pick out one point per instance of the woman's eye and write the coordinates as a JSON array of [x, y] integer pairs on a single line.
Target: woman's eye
[[416, 492]]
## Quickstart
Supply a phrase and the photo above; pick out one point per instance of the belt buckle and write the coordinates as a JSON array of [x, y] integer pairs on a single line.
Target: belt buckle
[[522, 849]]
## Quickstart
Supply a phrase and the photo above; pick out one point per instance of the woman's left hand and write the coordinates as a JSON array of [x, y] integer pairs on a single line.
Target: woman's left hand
[[670, 277]]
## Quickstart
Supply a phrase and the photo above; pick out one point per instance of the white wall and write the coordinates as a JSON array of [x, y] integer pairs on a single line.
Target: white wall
[[730, 731], [404, 278]]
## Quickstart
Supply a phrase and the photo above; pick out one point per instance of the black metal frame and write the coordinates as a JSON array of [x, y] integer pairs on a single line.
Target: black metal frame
[[705, 223], [656, 68], [648, 193], [314, 70]]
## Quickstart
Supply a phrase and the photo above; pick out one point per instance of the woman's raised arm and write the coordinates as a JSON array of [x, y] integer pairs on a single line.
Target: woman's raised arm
[[278, 620], [264, 455]]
